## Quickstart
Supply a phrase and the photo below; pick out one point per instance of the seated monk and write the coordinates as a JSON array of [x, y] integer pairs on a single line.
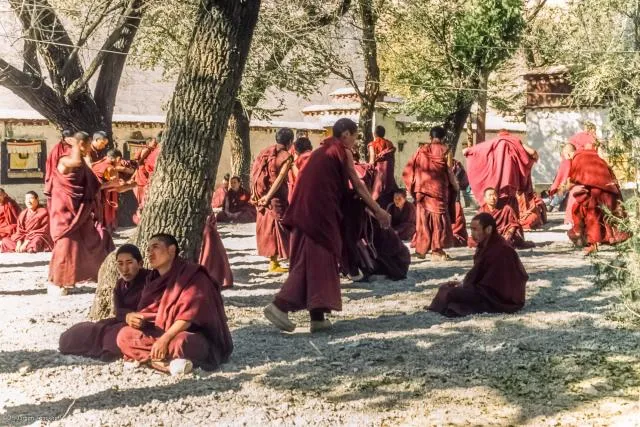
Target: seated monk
[[98, 339], [237, 204], [220, 193], [180, 320], [403, 215], [213, 255], [9, 212], [32, 234], [530, 217], [496, 282], [506, 219]]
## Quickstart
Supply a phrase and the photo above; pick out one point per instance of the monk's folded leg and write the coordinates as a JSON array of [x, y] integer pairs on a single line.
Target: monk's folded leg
[[135, 344], [189, 345], [8, 245], [97, 340]]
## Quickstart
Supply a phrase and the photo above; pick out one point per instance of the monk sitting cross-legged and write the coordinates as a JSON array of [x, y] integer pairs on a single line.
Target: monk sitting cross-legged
[[220, 193], [98, 340], [32, 234], [403, 215], [530, 215], [507, 222], [180, 320], [237, 205], [9, 212], [496, 282], [315, 217]]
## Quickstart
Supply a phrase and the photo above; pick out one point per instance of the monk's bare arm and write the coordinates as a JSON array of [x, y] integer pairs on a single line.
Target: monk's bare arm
[[531, 152], [73, 161], [124, 169], [177, 327], [372, 155], [278, 182], [382, 216], [453, 180]]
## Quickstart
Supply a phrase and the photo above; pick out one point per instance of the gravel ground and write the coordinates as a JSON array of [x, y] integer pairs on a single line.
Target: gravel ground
[[563, 360]]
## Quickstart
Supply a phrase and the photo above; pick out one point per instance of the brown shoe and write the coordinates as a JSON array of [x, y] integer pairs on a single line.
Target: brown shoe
[[278, 318], [440, 256], [320, 325]]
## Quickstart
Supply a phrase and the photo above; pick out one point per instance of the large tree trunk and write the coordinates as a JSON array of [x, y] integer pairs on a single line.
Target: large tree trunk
[[481, 116], [240, 137], [180, 195], [455, 122]]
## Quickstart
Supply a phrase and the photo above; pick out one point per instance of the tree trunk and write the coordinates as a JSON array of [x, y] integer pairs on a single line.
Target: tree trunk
[[481, 116], [469, 131], [372, 74], [179, 198], [455, 122], [240, 143]]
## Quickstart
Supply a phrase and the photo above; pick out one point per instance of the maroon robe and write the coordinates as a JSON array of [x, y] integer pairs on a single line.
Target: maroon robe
[[108, 199], [239, 204], [495, 284], [459, 228], [271, 237], [508, 227], [98, 339], [213, 255], [78, 249], [530, 217], [385, 160], [34, 227], [186, 292], [143, 178], [219, 195], [403, 220], [315, 218], [9, 212], [427, 177]]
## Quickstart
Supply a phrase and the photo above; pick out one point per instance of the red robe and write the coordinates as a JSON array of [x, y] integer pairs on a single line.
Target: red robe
[[501, 163], [213, 255], [403, 221], [427, 177], [583, 141], [495, 284], [108, 198], [272, 238], [315, 217], [385, 182], [508, 223], [596, 186], [143, 178], [9, 212], [237, 202], [59, 150], [218, 197], [530, 217], [459, 228], [299, 163], [98, 340], [78, 249], [186, 292], [34, 227]]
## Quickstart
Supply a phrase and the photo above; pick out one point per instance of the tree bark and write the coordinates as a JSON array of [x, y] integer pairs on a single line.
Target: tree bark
[[456, 121], [240, 143], [481, 116], [179, 198]]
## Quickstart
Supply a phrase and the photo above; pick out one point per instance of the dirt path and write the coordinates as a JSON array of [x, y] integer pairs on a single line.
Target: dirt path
[[561, 361]]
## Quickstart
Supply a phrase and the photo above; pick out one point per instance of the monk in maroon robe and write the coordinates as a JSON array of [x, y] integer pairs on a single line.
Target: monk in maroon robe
[[301, 152], [530, 217], [382, 154], [220, 193], [98, 339], [237, 205], [180, 320], [496, 282], [269, 176], [315, 217], [146, 160], [98, 143], [596, 187], [403, 215], [503, 163], [433, 186], [32, 234], [213, 255], [78, 249], [459, 228], [106, 170], [9, 212], [508, 225]]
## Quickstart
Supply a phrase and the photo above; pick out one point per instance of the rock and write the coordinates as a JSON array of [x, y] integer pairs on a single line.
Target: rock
[[24, 368]]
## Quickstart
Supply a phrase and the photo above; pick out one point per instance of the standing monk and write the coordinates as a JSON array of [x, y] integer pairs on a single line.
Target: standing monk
[[269, 176], [180, 320], [111, 186], [52, 161], [382, 154], [433, 186], [506, 219], [314, 218], [98, 144], [595, 186], [403, 215], [459, 226], [9, 212], [98, 340], [32, 234], [78, 249], [146, 159], [301, 153]]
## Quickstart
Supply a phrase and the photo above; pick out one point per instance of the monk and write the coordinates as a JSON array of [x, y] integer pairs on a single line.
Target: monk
[[237, 204], [403, 215], [506, 219], [220, 193], [213, 255], [496, 282], [503, 163], [9, 212], [302, 149], [32, 234], [52, 161], [433, 186], [269, 181], [559, 190], [382, 154], [459, 226], [98, 143], [146, 160], [78, 249], [530, 217], [107, 172], [180, 320], [595, 187], [314, 218], [98, 340]]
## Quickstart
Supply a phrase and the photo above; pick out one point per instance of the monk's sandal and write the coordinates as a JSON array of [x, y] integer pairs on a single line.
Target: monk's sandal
[[320, 325], [279, 318]]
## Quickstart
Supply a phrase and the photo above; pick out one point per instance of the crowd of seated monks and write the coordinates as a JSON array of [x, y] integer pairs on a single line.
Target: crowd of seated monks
[[26, 230]]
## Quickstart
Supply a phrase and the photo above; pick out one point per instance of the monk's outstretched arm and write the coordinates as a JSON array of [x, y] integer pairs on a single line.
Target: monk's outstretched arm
[[530, 151], [277, 183], [382, 216]]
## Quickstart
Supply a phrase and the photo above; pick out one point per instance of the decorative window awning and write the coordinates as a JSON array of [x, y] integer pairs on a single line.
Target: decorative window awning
[[22, 160]]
